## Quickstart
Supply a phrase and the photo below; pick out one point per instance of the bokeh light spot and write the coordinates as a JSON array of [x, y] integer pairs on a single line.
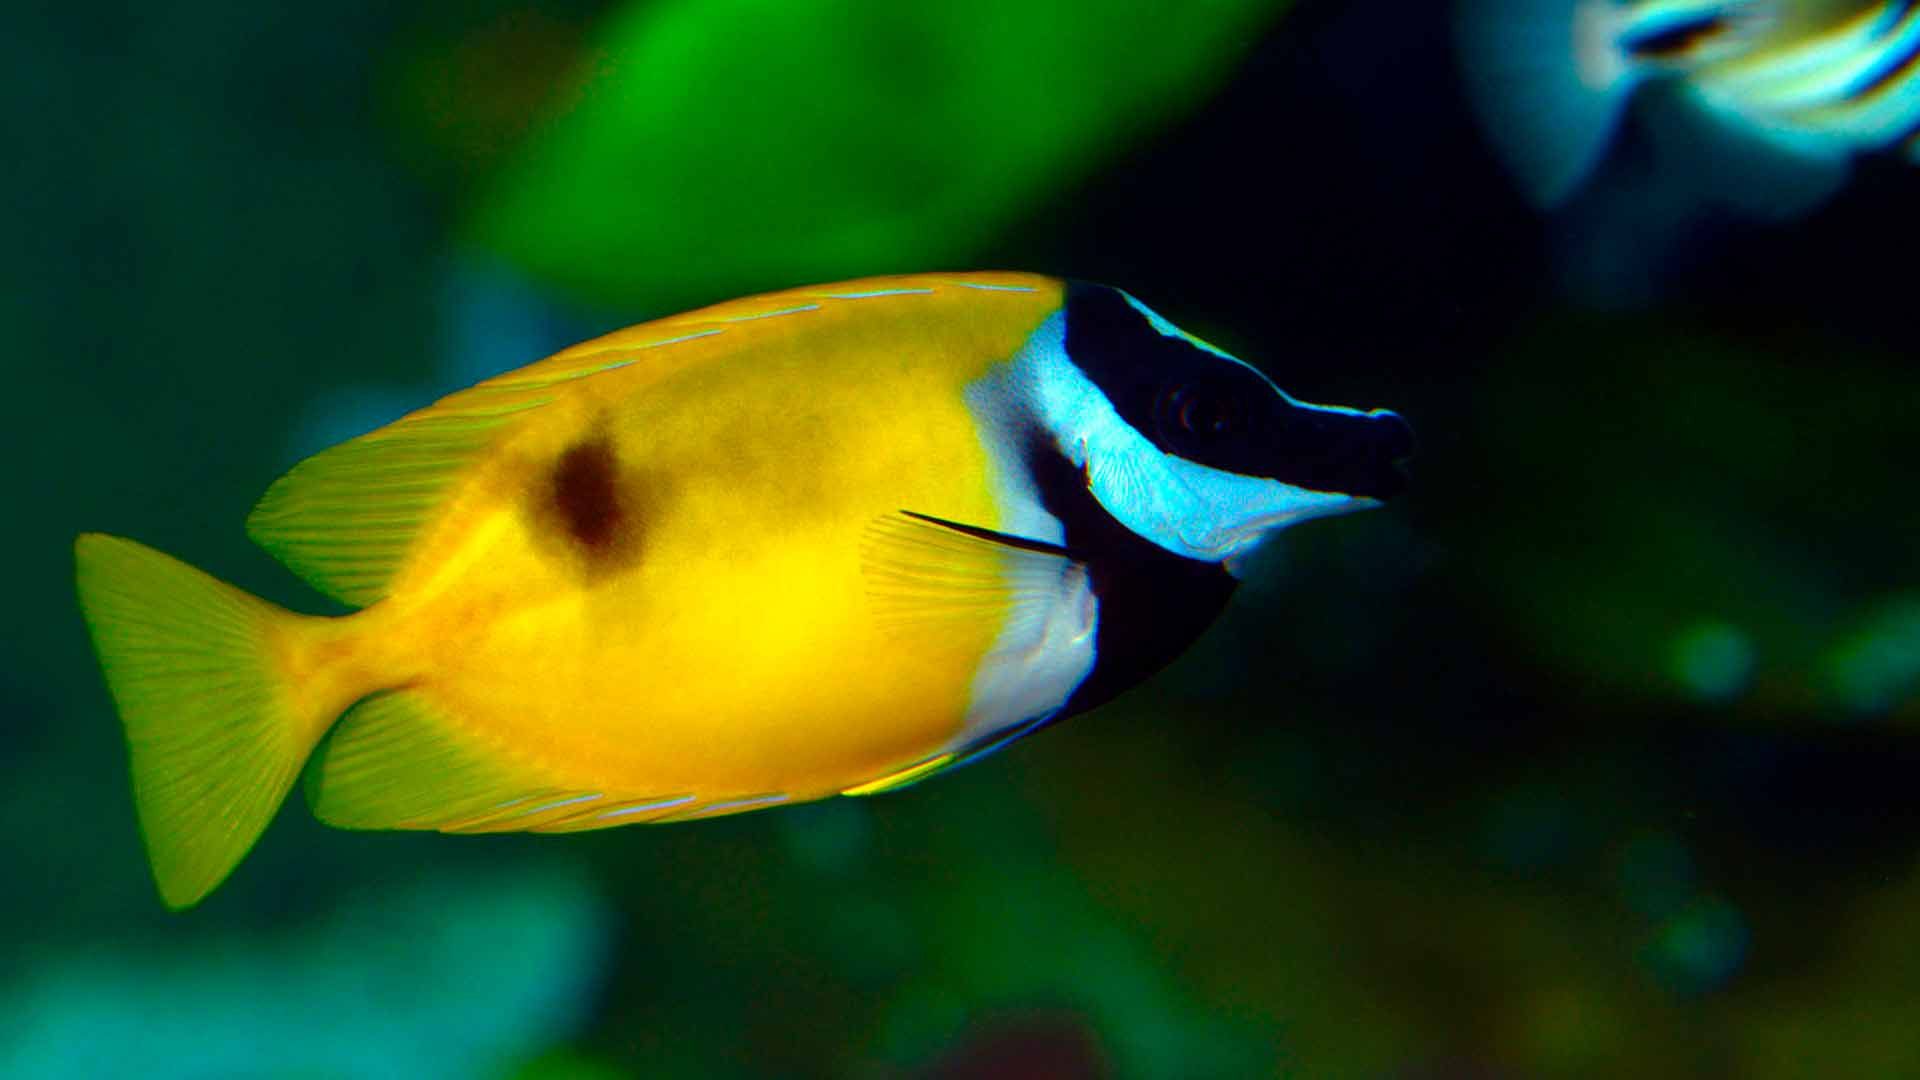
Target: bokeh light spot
[[1701, 948], [1878, 667], [1712, 659]]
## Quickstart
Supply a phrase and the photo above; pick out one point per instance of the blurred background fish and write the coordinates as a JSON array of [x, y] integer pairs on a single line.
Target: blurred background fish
[[1813, 82]]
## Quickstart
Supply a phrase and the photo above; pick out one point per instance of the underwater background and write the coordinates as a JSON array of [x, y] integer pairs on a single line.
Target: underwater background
[[1595, 754]]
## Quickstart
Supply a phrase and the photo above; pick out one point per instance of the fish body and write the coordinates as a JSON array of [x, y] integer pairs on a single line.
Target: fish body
[[825, 541], [1813, 81]]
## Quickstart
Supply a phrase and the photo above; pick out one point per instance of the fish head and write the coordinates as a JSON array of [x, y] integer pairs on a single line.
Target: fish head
[[1195, 450]]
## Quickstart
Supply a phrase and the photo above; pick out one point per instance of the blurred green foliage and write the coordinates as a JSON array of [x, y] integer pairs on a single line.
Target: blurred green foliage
[[715, 142]]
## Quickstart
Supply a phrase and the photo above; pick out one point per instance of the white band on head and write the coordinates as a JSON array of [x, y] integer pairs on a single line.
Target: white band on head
[[1191, 510]]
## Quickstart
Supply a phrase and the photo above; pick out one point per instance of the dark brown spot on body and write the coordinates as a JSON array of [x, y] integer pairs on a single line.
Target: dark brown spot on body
[[591, 510], [586, 492]]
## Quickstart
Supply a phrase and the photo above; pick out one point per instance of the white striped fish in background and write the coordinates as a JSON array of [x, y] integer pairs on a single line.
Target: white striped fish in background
[[1816, 82]]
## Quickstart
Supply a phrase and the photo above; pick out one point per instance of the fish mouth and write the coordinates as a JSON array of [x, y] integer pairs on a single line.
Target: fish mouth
[[1332, 452], [1362, 469], [1373, 464]]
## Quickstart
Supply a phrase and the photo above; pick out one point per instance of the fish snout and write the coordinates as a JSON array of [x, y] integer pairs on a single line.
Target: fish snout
[[1369, 455]]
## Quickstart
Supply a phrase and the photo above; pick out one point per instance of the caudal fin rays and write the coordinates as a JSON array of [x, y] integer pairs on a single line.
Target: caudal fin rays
[[214, 738]]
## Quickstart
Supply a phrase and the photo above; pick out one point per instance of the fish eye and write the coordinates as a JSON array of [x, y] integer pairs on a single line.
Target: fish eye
[[1189, 412]]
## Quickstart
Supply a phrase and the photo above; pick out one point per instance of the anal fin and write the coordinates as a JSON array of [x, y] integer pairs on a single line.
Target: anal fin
[[393, 762], [953, 759], [903, 778], [559, 812]]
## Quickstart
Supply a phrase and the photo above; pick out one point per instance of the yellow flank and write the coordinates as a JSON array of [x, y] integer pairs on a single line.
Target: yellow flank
[[650, 585], [649, 577]]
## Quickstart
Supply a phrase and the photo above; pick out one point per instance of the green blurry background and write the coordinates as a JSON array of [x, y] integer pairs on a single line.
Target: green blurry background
[[1595, 755]]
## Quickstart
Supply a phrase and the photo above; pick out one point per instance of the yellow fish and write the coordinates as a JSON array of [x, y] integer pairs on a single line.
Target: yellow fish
[[824, 541]]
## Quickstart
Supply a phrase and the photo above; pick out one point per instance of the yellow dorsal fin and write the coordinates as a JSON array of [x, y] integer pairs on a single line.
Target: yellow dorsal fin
[[346, 518], [394, 762]]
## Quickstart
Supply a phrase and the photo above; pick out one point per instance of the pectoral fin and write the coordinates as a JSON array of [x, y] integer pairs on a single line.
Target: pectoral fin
[[925, 573], [939, 581]]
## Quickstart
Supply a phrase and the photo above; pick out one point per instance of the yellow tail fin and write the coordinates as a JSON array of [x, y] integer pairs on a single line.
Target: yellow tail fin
[[212, 731]]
